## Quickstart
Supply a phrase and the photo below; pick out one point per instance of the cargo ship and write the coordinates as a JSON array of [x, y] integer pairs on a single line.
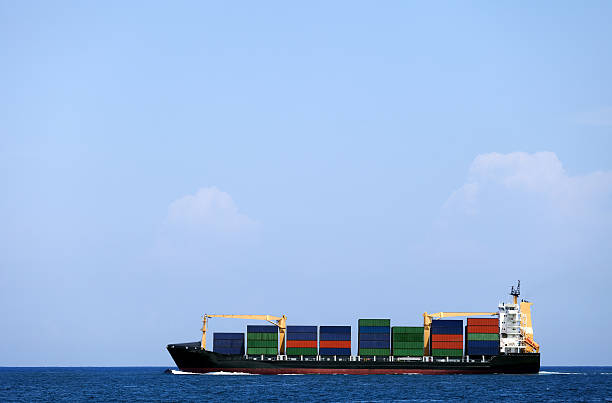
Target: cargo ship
[[500, 343]]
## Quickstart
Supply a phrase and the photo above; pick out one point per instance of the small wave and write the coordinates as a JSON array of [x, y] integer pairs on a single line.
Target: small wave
[[178, 372], [560, 373]]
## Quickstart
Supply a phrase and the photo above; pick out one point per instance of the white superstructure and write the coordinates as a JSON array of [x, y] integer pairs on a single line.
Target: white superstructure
[[510, 336]]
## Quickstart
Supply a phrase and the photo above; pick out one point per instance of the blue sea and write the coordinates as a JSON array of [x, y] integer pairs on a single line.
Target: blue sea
[[553, 384]]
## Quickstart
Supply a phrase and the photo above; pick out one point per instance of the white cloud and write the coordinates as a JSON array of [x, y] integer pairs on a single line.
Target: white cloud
[[206, 225], [209, 210], [527, 175]]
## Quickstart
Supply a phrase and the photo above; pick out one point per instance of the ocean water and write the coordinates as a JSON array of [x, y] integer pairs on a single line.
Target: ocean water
[[553, 384]]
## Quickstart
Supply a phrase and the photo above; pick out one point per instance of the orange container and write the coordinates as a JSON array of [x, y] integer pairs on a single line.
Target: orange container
[[335, 344], [483, 322], [446, 337], [447, 345], [302, 343], [483, 329]]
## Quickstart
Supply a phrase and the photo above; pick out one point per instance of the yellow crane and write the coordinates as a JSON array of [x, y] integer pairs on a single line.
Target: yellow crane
[[281, 322], [428, 317]]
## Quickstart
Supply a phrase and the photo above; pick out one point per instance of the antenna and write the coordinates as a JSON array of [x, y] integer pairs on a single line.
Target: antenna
[[515, 292]]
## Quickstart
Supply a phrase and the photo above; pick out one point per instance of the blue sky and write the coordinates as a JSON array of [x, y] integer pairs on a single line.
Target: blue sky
[[323, 161]]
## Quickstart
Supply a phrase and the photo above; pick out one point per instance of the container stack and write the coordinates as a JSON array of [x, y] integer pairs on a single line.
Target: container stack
[[447, 338], [335, 340], [301, 340], [482, 336], [262, 340], [407, 341], [228, 343], [374, 337]]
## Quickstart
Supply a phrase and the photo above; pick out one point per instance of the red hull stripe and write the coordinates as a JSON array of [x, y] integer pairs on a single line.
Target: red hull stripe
[[332, 371]]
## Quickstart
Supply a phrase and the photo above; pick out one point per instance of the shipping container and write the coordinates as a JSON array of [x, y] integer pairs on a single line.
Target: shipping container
[[335, 351], [375, 336], [374, 322], [410, 352], [374, 344], [447, 323], [483, 329], [374, 329], [447, 337], [334, 329], [335, 336], [262, 329], [374, 351], [483, 336], [446, 345], [229, 350], [483, 321], [407, 337], [228, 343], [407, 329], [407, 345], [228, 336], [262, 336], [262, 343], [301, 329], [261, 350], [447, 352], [302, 343], [301, 351], [335, 344], [301, 336]]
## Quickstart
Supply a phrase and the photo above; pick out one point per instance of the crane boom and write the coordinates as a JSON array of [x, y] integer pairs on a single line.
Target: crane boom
[[428, 317], [280, 321]]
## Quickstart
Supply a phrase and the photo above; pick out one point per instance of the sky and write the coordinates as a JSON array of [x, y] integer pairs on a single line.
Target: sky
[[327, 161]]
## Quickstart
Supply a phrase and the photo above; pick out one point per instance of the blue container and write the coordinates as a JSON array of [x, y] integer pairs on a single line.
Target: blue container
[[482, 347], [334, 351], [334, 329], [375, 336], [302, 329], [231, 351], [228, 336], [483, 351], [447, 323], [262, 329], [447, 327], [374, 344], [228, 343], [301, 336], [335, 336], [374, 329]]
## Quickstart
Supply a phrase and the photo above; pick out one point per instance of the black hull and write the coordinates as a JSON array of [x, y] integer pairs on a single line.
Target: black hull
[[190, 358]]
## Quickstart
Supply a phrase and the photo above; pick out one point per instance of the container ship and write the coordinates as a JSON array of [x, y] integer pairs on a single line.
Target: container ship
[[488, 343]]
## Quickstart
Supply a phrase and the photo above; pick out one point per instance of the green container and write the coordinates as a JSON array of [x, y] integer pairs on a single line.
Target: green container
[[301, 351], [408, 352], [262, 343], [398, 337], [407, 329], [374, 351], [375, 322], [447, 352], [483, 336], [262, 336], [407, 344], [261, 350]]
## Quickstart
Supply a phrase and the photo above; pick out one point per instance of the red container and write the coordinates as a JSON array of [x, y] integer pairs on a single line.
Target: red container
[[483, 329], [483, 322], [302, 343], [446, 337], [335, 344], [457, 345]]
